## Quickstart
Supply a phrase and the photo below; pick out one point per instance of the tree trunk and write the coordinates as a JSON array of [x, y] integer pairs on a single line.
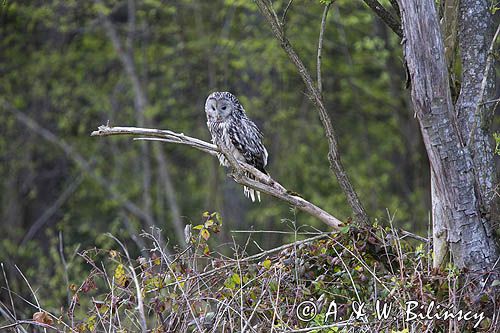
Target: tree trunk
[[454, 171], [439, 225]]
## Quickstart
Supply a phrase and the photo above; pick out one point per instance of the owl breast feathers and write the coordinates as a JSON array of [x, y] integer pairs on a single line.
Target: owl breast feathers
[[228, 124]]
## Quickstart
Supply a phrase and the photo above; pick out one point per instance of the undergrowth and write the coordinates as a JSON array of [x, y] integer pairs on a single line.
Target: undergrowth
[[320, 282]]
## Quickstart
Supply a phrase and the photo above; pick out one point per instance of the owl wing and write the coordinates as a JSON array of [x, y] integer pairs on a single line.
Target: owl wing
[[247, 139]]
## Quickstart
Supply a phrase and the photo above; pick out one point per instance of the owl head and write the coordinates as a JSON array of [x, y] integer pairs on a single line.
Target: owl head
[[222, 105]]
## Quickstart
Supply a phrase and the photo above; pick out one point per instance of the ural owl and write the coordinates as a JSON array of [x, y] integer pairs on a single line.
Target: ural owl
[[227, 122]]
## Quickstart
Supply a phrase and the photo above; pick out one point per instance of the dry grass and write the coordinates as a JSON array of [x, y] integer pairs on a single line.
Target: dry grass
[[198, 289]]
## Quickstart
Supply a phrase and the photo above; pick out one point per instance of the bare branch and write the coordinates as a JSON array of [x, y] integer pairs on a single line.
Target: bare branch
[[283, 17], [315, 96], [29, 322], [165, 135], [262, 182], [385, 16], [395, 5], [320, 44]]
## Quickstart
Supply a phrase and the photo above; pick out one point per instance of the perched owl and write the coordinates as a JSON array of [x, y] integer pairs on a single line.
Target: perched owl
[[227, 122]]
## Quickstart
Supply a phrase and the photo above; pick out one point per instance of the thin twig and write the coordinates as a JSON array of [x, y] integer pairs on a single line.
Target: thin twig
[[272, 232], [250, 258], [65, 264], [320, 45], [177, 283], [29, 322], [286, 246], [407, 234], [29, 286], [283, 17], [14, 315], [48, 313], [140, 301], [32, 292]]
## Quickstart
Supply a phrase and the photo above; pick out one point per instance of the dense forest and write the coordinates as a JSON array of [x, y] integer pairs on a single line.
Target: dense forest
[[77, 210]]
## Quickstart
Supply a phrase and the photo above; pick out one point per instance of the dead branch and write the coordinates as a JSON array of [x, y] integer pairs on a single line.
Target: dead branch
[[385, 16], [262, 182]]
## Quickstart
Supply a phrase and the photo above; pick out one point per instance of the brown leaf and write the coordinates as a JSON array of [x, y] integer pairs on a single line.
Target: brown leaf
[[73, 288], [89, 285], [42, 317]]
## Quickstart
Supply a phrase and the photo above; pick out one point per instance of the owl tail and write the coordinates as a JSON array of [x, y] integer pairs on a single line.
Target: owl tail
[[250, 192]]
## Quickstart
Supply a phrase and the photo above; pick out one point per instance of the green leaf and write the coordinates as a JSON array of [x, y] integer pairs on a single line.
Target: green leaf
[[344, 229], [236, 279], [91, 321], [120, 276], [209, 223]]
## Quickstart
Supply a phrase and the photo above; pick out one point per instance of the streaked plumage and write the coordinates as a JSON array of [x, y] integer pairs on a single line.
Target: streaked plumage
[[227, 121]]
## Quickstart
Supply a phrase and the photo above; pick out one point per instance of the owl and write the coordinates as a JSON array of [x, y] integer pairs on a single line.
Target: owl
[[228, 123]]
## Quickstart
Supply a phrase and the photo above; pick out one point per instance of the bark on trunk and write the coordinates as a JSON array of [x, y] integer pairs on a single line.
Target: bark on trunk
[[474, 39], [471, 243], [439, 225]]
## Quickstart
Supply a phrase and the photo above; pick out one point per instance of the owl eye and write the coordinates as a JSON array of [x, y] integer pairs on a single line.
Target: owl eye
[[224, 107], [213, 108]]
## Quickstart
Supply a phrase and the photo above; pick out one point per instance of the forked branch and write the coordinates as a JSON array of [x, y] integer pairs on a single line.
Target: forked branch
[[262, 182]]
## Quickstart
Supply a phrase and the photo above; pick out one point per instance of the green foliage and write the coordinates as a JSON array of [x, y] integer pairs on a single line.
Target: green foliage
[[496, 136]]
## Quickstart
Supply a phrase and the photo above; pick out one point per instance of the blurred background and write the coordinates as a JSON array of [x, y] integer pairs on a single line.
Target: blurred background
[[67, 67]]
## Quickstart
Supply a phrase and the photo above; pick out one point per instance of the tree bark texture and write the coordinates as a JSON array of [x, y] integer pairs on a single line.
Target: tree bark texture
[[457, 182], [474, 38], [439, 227]]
